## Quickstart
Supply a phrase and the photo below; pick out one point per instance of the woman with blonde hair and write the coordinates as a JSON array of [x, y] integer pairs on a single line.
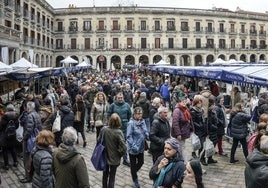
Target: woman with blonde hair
[[115, 147], [98, 117], [42, 160]]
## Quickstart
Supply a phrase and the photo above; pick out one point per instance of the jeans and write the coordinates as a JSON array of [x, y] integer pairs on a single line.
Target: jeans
[[243, 142], [136, 162], [27, 161], [108, 177]]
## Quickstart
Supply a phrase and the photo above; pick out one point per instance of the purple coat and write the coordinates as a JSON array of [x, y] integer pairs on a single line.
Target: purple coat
[[180, 126]]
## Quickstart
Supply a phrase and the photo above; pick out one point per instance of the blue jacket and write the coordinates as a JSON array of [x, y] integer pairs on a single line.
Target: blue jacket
[[164, 91], [136, 135]]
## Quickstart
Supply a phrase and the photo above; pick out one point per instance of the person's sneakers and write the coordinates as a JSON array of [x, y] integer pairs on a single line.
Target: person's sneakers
[[223, 154], [126, 163], [84, 144], [212, 161], [136, 183], [234, 161], [25, 180]]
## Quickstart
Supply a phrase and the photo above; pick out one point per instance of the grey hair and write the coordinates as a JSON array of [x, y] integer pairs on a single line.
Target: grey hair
[[162, 109], [30, 106], [69, 136], [264, 146], [173, 142]]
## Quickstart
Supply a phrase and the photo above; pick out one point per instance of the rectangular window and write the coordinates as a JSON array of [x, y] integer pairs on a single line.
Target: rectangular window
[[243, 30], [59, 43], [87, 26], [115, 25], [184, 26], [184, 43], [221, 27], [73, 43], [87, 43], [209, 29], [157, 43], [197, 26], [129, 42], [170, 26], [243, 43], [7, 23], [170, 43], [143, 25], [232, 43], [253, 29], [143, 43], [156, 25], [262, 44], [198, 43], [73, 26], [129, 25], [232, 28], [210, 43], [60, 26], [253, 44], [101, 25], [115, 43], [222, 43]]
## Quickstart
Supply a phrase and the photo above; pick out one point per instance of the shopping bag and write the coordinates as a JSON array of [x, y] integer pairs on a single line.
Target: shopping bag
[[57, 123], [77, 116], [209, 150], [99, 156], [31, 141], [19, 133], [195, 142]]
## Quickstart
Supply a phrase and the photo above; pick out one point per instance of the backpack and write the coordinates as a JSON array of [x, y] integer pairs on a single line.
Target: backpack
[[10, 130]]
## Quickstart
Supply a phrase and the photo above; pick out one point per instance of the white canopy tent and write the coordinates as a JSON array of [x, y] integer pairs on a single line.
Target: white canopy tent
[[83, 64], [5, 67], [23, 63], [162, 62], [68, 60]]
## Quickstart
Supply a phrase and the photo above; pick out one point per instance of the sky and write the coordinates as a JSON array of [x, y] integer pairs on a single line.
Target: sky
[[249, 5]]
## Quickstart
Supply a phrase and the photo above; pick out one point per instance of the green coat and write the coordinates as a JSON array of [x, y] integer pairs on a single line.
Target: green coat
[[69, 168]]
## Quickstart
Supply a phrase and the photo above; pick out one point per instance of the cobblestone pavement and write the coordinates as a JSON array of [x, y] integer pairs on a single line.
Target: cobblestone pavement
[[221, 175]]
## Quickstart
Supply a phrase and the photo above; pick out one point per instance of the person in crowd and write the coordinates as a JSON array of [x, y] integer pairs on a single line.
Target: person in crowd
[[128, 95], [169, 168], [107, 90], [99, 112], [256, 171], [194, 171], [176, 94], [239, 130], [136, 97], [89, 100], [182, 124], [9, 118], [214, 88], [200, 128], [72, 88], [67, 117], [46, 95], [33, 121], [262, 104], [159, 132], [115, 150], [222, 122], [42, 160], [144, 103], [235, 96], [212, 122], [20, 94], [123, 109], [28, 98], [165, 93], [156, 103], [206, 94], [253, 141], [145, 90], [115, 90], [69, 167], [79, 111], [257, 142], [137, 134], [46, 114]]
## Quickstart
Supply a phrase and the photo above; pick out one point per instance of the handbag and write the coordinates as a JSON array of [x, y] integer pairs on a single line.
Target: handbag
[[78, 114], [19, 133], [56, 127], [195, 142], [209, 150], [99, 156], [31, 141]]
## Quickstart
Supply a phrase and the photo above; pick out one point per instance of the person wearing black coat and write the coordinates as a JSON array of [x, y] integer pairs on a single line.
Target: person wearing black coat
[[159, 132], [9, 144], [239, 130], [221, 115]]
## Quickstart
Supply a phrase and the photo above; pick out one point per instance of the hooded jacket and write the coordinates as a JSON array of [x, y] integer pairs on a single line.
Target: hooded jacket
[[256, 171], [69, 168], [164, 91]]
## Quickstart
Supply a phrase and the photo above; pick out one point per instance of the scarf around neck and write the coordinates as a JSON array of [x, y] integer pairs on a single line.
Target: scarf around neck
[[162, 174], [186, 112]]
